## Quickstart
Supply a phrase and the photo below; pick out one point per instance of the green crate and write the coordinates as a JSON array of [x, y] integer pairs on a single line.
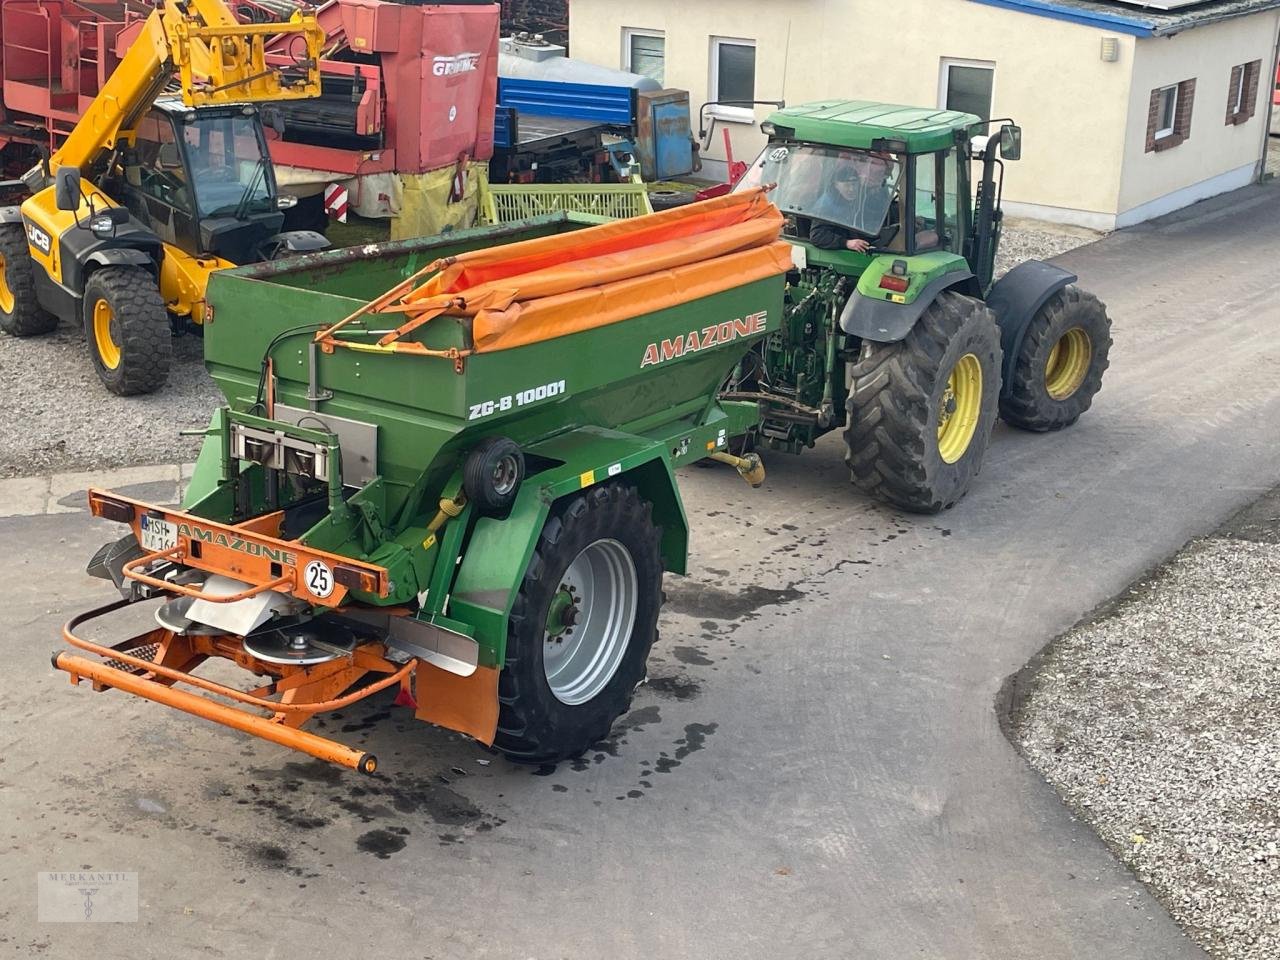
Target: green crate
[[507, 203]]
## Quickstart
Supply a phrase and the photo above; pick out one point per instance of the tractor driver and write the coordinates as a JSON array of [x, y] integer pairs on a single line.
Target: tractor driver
[[860, 191]]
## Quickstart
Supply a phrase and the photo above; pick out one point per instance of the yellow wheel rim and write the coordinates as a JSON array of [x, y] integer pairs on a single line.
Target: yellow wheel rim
[[6, 293], [1068, 364], [960, 407], [103, 337]]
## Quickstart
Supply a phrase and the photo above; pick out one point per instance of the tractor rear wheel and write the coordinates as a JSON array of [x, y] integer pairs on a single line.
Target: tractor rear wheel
[[20, 315], [128, 330], [921, 410], [581, 627], [1060, 363]]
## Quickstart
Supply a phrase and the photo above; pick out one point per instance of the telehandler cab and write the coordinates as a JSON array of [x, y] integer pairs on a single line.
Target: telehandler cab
[[148, 195], [894, 329]]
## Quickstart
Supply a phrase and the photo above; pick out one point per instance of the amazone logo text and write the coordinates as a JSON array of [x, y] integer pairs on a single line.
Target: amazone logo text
[[287, 557], [711, 336], [449, 66]]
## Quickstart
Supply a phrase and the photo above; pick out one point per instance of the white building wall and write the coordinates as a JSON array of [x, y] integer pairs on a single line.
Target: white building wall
[[1082, 118], [1216, 157], [1049, 75]]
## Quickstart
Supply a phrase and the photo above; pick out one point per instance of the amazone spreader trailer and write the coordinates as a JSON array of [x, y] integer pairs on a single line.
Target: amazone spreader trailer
[[444, 466]]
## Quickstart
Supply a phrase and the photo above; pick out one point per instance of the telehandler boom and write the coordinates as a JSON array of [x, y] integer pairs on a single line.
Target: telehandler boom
[[149, 194]]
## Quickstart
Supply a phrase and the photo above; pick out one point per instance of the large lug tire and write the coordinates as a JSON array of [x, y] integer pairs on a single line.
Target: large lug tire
[[20, 315], [130, 340], [921, 410], [581, 627], [1060, 364]]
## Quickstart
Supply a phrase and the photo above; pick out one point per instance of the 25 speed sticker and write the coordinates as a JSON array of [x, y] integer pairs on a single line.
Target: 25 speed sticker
[[522, 399], [319, 578]]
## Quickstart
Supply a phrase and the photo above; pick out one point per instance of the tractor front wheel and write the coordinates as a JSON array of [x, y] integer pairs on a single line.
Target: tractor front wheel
[[128, 330], [581, 627], [20, 315], [921, 410], [1060, 363]]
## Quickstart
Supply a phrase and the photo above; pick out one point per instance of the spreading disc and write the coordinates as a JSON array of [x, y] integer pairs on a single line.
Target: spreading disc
[[313, 642]]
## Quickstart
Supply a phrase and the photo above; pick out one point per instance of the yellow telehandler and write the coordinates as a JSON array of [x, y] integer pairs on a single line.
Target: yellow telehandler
[[150, 193]]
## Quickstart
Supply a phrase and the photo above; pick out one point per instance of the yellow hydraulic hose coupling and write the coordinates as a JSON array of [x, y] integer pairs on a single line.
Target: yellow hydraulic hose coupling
[[750, 467]]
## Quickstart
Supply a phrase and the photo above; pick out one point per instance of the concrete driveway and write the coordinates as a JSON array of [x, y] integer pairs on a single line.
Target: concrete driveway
[[817, 768]]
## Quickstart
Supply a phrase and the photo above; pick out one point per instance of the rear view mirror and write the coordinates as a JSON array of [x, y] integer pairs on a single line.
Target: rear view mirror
[[1011, 142], [66, 188]]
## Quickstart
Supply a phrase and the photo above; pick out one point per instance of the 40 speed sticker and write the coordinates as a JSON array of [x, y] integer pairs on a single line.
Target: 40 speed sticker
[[522, 399]]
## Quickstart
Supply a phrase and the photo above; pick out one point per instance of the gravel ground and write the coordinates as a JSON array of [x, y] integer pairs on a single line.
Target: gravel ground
[[1032, 240], [56, 415], [1156, 721]]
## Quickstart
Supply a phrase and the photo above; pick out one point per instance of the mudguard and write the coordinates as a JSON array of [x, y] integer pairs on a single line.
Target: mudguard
[[1016, 298], [120, 257], [882, 321], [10, 214]]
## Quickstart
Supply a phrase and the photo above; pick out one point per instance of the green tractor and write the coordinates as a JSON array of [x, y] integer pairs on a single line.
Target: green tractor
[[894, 330]]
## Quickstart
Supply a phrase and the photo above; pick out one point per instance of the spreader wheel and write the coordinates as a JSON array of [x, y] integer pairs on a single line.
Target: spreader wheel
[[492, 474], [20, 315], [1060, 363], [921, 410], [582, 625]]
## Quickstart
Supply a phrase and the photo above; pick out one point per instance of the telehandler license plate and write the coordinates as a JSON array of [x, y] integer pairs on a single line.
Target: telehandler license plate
[[158, 535]]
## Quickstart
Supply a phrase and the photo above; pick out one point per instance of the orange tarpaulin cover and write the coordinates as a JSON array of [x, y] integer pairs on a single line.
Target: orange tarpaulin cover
[[552, 286]]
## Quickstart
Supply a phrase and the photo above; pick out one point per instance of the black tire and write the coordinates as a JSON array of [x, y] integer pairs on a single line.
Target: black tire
[[20, 315], [896, 405], [138, 327], [534, 724], [670, 199], [492, 474], [1073, 331]]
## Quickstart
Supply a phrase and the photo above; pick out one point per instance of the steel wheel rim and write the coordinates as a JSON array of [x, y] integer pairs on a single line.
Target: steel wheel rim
[[960, 407], [581, 656], [505, 473], [1068, 364], [104, 339], [6, 292]]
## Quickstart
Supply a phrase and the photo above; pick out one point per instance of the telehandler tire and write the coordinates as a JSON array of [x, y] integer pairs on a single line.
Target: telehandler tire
[[127, 327], [20, 315], [1060, 363], [582, 625], [921, 410]]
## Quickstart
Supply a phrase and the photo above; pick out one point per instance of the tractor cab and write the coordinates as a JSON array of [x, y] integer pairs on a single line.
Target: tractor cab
[[856, 179], [202, 180]]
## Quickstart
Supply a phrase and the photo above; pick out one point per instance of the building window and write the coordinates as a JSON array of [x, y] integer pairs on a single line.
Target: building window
[[967, 86], [645, 52], [733, 78], [1169, 115], [1242, 92]]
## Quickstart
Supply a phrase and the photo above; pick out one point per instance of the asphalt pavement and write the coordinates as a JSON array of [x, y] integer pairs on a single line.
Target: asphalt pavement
[[817, 768]]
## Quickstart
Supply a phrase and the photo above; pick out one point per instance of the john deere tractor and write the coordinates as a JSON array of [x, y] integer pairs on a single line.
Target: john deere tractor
[[895, 331]]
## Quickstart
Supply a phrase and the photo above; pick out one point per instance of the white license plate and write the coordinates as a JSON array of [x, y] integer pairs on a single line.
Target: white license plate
[[158, 535]]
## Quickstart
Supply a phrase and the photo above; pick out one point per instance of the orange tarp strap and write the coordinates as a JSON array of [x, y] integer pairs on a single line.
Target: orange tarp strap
[[556, 316], [552, 286], [594, 272], [478, 267]]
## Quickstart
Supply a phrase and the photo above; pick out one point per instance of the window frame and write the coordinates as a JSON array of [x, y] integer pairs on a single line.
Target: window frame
[[628, 34], [1243, 86], [1164, 133], [729, 114], [944, 79]]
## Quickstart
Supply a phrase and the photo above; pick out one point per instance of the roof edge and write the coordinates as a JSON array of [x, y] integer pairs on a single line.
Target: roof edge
[[1115, 22]]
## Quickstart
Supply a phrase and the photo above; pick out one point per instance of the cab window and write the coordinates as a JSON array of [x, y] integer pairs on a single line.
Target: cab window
[[926, 184]]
